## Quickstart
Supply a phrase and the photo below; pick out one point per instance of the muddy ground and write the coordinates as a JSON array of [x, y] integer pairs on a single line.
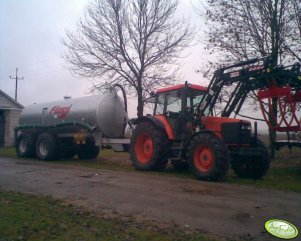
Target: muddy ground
[[218, 209]]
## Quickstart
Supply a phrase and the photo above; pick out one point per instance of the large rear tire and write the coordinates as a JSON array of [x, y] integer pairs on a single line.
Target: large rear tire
[[149, 147], [48, 147], [25, 145], [252, 167], [208, 157]]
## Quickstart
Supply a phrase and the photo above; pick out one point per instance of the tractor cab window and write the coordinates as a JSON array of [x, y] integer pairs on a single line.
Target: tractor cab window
[[160, 104], [149, 105], [169, 102], [194, 99]]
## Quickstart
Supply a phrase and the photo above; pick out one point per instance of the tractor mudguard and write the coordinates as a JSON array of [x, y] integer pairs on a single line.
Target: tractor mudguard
[[198, 133], [150, 119], [160, 122]]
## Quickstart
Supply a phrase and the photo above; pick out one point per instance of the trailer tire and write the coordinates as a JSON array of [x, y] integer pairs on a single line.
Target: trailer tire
[[255, 167], [25, 145], [208, 157], [68, 153], [48, 146], [88, 150], [149, 147]]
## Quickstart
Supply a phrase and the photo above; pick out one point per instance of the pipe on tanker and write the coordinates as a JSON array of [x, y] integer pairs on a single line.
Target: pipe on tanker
[[125, 106], [124, 96]]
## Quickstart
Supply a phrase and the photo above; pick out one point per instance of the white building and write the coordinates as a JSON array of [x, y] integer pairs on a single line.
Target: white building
[[10, 111]]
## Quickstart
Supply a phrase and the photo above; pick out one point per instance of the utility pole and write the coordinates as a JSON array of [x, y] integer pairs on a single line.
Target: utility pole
[[16, 78]]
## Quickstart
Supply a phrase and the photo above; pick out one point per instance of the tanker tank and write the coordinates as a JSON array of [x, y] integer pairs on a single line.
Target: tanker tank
[[106, 113]]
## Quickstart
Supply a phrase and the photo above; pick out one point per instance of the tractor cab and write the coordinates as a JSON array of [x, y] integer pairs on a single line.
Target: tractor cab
[[177, 106]]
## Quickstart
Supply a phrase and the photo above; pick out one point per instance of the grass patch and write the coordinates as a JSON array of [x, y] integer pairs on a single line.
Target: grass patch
[[285, 179], [27, 217], [8, 152], [107, 159], [284, 174]]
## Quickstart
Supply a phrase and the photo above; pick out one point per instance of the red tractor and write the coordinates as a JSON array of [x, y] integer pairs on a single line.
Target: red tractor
[[184, 130], [204, 144]]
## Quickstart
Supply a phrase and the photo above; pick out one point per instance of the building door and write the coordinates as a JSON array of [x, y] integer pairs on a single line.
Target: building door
[[2, 128]]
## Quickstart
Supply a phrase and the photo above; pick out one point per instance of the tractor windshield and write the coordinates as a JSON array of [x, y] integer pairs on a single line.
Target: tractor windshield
[[173, 101], [196, 98]]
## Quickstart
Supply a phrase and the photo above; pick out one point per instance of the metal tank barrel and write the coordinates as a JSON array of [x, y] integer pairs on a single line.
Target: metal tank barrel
[[104, 112]]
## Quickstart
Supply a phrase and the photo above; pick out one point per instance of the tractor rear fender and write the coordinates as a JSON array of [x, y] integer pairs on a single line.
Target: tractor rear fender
[[158, 121]]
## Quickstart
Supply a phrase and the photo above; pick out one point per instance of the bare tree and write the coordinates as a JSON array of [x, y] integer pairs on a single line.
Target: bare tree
[[242, 29], [131, 42]]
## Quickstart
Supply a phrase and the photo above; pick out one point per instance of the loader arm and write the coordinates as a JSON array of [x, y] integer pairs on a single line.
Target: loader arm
[[252, 75]]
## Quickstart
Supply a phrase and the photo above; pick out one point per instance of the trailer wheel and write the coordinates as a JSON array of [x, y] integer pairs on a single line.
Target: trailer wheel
[[48, 147], [208, 158], [68, 153], [149, 147], [252, 167], [25, 145], [88, 150]]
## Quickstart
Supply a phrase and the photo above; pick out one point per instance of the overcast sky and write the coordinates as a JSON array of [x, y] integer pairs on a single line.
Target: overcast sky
[[30, 40]]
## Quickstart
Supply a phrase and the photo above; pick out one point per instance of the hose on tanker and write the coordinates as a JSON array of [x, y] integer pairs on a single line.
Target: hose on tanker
[[125, 106], [124, 96]]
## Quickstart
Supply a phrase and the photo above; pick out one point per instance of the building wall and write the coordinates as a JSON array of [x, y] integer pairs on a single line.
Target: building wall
[[11, 121]]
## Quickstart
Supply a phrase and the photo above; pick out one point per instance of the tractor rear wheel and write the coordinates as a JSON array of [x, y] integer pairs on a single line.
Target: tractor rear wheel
[[208, 158], [149, 147], [252, 167]]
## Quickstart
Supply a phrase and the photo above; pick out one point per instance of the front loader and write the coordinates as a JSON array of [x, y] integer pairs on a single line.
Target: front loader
[[184, 129]]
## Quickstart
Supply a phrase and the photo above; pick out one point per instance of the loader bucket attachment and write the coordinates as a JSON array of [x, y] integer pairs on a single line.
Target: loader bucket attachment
[[288, 103]]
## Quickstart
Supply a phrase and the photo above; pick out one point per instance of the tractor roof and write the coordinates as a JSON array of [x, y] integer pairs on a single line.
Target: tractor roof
[[181, 86]]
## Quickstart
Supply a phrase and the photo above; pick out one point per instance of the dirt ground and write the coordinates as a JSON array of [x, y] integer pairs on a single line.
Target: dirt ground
[[218, 209]]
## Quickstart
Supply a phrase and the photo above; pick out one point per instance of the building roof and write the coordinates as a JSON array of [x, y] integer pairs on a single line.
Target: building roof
[[7, 102]]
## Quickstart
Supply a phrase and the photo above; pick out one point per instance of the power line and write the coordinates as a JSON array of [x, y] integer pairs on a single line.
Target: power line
[[16, 78]]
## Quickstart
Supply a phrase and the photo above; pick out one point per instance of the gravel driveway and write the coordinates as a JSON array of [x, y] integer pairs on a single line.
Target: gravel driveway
[[219, 209]]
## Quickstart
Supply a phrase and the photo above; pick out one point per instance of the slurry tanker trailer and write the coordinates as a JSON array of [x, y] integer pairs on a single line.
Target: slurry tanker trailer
[[63, 129]]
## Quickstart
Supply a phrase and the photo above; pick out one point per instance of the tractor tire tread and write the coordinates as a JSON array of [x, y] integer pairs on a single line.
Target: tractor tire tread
[[221, 166], [160, 143]]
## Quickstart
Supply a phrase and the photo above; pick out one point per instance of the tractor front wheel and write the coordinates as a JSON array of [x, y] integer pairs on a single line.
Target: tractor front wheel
[[208, 158], [149, 147]]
